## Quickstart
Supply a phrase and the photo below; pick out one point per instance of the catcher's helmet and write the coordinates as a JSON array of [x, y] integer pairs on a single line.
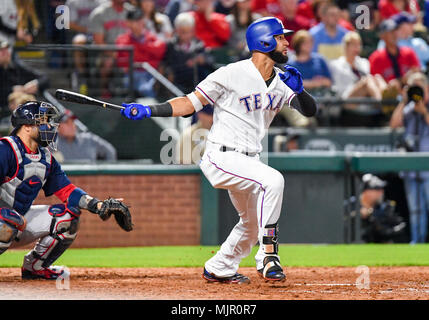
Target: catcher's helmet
[[41, 114], [260, 34]]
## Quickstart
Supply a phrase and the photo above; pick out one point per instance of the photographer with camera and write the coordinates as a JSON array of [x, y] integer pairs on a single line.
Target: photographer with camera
[[379, 220], [412, 113]]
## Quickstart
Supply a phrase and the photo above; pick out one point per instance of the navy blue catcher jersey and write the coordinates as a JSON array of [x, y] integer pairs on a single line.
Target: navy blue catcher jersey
[[23, 174]]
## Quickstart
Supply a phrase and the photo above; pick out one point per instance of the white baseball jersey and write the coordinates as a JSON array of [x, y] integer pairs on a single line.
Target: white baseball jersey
[[244, 106]]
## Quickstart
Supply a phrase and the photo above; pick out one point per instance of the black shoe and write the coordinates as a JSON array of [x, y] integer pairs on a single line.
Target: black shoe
[[272, 270], [237, 278]]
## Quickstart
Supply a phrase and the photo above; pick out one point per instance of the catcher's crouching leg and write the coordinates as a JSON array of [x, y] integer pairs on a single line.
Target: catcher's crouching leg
[[11, 226], [63, 231]]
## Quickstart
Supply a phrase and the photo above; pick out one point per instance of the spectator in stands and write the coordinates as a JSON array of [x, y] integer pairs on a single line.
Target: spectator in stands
[[14, 100], [79, 27], [8, 21], [389, 8], [319, 7], [75, 146], [266, 7], [147, 48], [11, 28], [379, 221], [291, 20], [351, 73], [328, 34], [393, 63], [106, 23], [211, 27], [313, 67], [352, 79], [80, 11], [28, 21], [412, 113], [224, 6], [239, 19], [156, 22], [191, 145], [306, 9], [16, 77], [174, 7], [186, 61], [404, 32]]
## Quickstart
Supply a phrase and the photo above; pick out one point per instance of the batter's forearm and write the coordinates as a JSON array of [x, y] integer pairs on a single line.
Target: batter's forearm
[[181, 106], [305, 104]]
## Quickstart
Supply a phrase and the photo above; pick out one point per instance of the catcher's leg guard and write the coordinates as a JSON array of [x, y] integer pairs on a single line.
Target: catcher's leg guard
[[63, 231], [272, 269], [11, 225]]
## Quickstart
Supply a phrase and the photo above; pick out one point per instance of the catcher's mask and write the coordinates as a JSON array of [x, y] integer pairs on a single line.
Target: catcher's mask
[[41, 114]]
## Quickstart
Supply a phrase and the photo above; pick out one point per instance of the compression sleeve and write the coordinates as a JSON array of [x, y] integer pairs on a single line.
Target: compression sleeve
[[305, 104]]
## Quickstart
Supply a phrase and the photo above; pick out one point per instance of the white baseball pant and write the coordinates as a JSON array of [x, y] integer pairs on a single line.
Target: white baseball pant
[[256, 191]]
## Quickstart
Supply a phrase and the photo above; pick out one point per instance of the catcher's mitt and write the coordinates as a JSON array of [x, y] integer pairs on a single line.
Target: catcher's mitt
[[118, 209]]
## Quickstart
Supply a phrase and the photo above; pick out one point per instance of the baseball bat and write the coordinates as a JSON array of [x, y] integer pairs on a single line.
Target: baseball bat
[[70, 96]]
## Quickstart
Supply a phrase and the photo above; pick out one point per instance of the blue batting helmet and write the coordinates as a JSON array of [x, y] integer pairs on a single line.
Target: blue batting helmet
[[260, 34]]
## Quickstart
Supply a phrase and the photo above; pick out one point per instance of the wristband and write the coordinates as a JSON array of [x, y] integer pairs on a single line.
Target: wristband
[[195, 101]]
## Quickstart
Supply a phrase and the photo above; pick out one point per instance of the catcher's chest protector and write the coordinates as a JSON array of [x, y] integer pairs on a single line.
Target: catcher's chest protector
[[19, 191]]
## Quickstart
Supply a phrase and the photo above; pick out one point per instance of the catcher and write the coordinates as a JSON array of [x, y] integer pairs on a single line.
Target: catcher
[[26, 167]]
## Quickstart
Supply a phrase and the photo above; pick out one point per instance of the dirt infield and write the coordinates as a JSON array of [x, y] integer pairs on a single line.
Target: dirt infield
[[186, 283]]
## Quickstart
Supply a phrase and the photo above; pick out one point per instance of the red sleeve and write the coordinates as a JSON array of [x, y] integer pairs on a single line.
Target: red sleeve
[[122, 56], [157, 48], [258, 5], [64, 193], [386, 9], [414, 61], [374, 63], [220, 27]]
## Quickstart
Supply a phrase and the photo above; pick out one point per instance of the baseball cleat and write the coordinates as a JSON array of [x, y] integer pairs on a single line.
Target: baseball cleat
[[50, 273], [272, 270], [237, 278]]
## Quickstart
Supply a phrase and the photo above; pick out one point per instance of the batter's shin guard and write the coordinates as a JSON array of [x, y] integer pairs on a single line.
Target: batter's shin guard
[[269, 240], [272, 270], [63, 231]]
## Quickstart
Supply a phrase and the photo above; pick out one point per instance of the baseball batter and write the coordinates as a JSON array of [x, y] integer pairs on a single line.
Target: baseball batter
[[246, 96], [26, 167]]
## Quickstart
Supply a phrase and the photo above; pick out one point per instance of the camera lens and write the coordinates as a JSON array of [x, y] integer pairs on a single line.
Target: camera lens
[[415, 93]]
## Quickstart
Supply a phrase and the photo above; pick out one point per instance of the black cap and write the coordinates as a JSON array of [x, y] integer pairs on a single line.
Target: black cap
[[134, 14], [372, 182], [387, 26]]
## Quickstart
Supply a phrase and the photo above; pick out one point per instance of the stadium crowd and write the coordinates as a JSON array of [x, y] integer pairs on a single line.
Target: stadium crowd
[[344, 49]]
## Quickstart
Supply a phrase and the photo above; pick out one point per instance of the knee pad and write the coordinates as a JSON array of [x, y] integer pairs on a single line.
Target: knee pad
[[65, 222], [11, 225], [270, 239]]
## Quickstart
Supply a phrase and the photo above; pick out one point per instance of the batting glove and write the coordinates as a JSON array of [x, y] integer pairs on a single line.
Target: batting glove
[[130, 111], [292, 78]]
